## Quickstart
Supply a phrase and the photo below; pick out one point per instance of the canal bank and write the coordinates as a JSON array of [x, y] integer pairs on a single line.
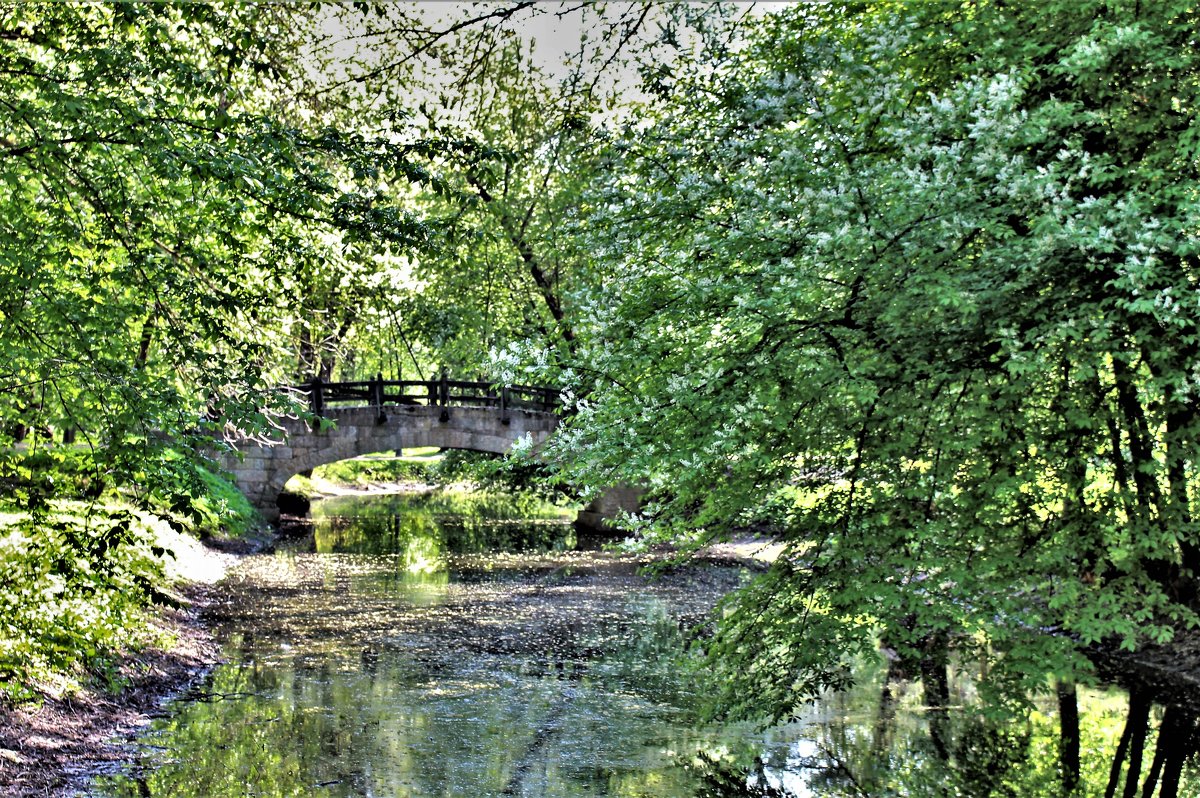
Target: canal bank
[[52, 747]]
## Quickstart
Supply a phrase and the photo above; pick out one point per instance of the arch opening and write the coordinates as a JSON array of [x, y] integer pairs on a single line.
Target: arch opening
[[263, 470]]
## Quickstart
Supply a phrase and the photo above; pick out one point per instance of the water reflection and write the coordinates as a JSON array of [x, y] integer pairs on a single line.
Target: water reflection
[[489, 690], [424, 528], [402, 655]]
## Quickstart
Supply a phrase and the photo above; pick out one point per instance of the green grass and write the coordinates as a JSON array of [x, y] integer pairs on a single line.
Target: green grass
[[222, 508], [415, 465]]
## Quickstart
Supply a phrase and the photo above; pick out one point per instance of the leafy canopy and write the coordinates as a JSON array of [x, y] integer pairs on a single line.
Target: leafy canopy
[[913, 281], [160, 218]]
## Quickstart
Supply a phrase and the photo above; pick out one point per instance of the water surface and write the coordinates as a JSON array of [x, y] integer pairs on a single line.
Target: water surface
[[433, 645], [460, 645]]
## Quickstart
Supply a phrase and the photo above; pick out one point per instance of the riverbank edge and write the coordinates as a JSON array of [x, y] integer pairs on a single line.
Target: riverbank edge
[[53, 748]]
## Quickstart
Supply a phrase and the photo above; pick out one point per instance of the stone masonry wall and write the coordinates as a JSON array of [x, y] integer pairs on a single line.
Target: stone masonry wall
[[261, 470]]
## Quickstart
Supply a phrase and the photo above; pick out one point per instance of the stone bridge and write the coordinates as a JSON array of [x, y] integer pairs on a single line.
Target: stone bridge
[[352, 419]]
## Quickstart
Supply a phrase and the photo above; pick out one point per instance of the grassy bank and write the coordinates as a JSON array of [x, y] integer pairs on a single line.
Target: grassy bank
[[101, 590], [413, 466], [432, 467], [85, 570]]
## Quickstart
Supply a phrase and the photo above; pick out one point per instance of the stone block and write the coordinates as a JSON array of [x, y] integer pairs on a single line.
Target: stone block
[[253, 490]]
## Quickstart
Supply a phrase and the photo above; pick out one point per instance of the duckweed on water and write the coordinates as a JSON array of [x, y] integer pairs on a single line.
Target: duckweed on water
[[536, 671]]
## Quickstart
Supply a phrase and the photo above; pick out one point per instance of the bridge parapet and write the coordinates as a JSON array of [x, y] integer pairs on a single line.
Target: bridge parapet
[[442, 392]]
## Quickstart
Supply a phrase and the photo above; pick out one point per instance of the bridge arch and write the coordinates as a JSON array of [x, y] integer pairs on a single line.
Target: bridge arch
[[261, 470]]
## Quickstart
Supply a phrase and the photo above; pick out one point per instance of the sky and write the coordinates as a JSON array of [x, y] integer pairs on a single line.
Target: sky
[[554, 28]]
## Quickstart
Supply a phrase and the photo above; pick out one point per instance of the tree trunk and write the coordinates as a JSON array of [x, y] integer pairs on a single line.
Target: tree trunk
[[935, 682], [1178, 733], [143, 353], [306, 365], [325, 372], [1068, 739], [1138, 714]]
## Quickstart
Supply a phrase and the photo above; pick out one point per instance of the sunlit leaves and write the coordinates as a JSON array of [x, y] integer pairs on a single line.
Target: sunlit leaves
[[163, 219], [931, 259]]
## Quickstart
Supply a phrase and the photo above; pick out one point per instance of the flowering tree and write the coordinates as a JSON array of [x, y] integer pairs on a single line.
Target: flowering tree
[[915, 283]]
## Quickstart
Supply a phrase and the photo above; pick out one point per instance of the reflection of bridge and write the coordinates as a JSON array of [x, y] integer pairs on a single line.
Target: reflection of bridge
[[356, 418]]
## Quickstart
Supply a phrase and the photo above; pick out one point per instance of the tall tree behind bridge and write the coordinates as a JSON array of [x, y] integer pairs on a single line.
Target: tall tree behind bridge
[[509, 214]]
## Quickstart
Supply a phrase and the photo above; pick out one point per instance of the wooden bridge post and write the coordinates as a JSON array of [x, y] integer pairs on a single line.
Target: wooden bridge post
[[377, 398], [376, 390], [316, 396], [444, 397], [504, 419]]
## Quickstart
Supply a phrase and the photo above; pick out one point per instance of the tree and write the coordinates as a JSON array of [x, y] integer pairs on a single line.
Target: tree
[[156, 215], [511, 251], [908, 281]]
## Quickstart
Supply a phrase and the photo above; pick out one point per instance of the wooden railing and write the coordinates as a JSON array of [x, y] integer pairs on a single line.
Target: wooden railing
[[442, 392]]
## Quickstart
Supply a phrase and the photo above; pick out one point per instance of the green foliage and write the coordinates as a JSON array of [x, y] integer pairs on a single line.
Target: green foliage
[[368, 470], [424, 528], [516, 475], [924, 264], [164, 225], [510, 250], [210, 505], [30, 479], [73, 586], [530, 481], [79, 564]]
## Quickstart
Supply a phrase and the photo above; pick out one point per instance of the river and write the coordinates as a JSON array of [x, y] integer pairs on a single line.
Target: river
[[450, 644]]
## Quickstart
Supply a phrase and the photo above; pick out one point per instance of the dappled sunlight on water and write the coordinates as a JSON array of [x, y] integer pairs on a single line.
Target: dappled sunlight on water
[[438, 669], [409, 651]]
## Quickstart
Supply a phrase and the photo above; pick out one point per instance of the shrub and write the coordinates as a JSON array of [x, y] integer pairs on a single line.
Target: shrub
[[73, 583]]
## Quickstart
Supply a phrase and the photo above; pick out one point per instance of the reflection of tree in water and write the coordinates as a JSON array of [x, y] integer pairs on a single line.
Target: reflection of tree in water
[[1176, 744], [720, 779], [424, 528], [565, 674], [891, 744], [346, 684]]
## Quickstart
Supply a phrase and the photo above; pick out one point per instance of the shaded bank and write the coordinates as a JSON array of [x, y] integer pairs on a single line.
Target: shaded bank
[[48, 749]]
